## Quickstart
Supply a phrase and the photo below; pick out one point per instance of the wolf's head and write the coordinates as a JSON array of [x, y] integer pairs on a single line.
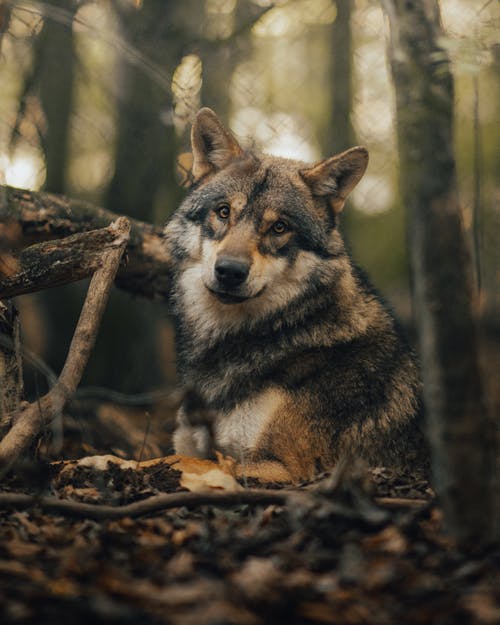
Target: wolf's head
[[256, 228]]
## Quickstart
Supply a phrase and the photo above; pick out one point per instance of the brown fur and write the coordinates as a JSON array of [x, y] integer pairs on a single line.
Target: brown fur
[[282, 338]]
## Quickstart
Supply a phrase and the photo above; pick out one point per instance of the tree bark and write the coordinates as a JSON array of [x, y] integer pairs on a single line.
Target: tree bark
[[146, 151], [28, 217], [144, 184], [11, 376], [460, 433], [340, 135], [53, 263], [55, 60]]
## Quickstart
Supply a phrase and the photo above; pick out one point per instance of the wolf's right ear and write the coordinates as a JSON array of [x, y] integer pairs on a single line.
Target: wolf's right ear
[[213, 145]]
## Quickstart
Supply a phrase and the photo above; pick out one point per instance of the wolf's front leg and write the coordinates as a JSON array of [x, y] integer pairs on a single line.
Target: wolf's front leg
[[192, 438]]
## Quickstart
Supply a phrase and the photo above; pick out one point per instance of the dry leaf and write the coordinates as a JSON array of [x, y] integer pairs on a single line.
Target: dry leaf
[[200, 475], [213, 479], [258, 578]]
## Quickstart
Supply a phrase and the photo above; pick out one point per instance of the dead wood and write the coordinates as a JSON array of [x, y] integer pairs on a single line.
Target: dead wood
[[29, 217], [158, 503], [11, 378], [401, 502], [38, 414], [150, 505], [53, 263]]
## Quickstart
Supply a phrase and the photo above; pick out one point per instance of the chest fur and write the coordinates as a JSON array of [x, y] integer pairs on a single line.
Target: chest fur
[[240, 430]]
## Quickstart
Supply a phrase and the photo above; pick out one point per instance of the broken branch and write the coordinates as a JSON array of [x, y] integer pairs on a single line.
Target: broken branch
[[145, 506], [28, 217], [54, 263], [38, 414], [158, 503]]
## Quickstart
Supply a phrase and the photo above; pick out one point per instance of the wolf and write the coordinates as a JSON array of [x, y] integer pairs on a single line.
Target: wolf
[[280, 336]]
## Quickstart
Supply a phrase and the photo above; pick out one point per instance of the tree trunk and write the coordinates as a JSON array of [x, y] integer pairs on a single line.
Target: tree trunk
[[144, 184], [340, 135], [11, 376], [459, 430], [221, 57], [145, 155], [55, 60]]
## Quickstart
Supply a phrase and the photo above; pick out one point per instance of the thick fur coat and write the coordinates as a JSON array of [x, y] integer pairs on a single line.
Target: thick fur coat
[[294, 357]]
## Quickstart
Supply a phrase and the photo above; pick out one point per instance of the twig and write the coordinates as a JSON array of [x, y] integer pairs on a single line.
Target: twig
[[401, 502], [172, 398], [38, 414], [146, 506], [477, 225], [158, 503], [26, 355], [146, 434]]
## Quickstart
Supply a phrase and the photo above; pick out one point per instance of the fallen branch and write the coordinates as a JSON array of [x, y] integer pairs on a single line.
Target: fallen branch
[[150, 505], [158, 503], [54, 263], [29, 217], [401, 502], [39, 414]]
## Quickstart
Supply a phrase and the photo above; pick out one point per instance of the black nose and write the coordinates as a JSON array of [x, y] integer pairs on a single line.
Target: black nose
[[231, 272]]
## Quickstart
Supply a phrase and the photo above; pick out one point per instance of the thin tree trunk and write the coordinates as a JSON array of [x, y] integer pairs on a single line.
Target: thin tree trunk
[[460, 432], [55, 49], [340, 135], [144, 182], [11, 377], [145, 154]]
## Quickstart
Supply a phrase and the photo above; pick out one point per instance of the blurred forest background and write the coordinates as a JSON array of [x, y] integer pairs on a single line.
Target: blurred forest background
[[96, 100]]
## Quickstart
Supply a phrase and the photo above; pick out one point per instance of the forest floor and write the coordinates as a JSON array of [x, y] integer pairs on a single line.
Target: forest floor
[[367, 549]]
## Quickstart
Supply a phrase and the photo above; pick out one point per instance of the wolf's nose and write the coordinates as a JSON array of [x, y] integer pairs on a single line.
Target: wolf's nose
[[231, 272]]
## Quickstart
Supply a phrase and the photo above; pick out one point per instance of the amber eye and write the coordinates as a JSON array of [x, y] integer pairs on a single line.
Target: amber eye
[[223, 212], [279, 227]]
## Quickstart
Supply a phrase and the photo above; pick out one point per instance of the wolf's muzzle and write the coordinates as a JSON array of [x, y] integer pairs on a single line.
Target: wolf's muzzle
[[231, 272]]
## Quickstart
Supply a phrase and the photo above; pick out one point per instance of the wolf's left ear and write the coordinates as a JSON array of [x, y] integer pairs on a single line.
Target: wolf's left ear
[[337, 176], [213, 145]]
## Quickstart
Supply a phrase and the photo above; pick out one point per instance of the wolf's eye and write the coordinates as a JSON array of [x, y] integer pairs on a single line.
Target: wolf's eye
[[279, 227], [223, 212]]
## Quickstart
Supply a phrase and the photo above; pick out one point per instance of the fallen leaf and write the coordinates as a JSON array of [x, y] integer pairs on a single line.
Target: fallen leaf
[[89, 494], [258, 578], [21, 550], [389, 540], [181, 566], [213, 479]]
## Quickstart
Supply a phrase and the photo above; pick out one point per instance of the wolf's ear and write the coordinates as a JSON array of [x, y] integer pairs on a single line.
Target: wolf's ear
[[337, 176], [213, 145]]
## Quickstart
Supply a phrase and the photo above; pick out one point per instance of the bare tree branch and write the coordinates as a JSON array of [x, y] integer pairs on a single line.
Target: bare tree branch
[[146, 506], [157, 503], [38, 414], [53, 263], [28, 217]]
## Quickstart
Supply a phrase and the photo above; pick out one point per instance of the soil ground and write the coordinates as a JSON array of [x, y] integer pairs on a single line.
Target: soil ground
[[370, 550]]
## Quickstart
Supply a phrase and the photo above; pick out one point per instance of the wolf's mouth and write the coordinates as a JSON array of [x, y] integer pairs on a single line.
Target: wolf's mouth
[[232, 298]]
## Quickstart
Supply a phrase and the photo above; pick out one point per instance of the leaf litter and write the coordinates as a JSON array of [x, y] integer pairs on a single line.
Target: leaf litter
[[338, 552]]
